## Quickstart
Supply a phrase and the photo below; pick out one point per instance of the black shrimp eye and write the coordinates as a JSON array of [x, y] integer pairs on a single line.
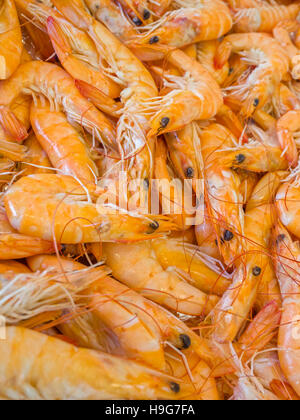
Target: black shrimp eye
[[63, 248], [228, 236], [146, 14], [185, 340], [154, 225], [146, 183], [230, 71], [256, 271], [280, 238], [137, 21], [154, 40], [216, 242], [256, 102], [190, 172], [164, 122], [240, 158], [175, 387]]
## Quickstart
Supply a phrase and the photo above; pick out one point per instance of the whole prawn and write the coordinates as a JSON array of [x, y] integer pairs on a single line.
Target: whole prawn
[[63, 379], [141, 270], [59, 207], [266, 54], [189, 22]]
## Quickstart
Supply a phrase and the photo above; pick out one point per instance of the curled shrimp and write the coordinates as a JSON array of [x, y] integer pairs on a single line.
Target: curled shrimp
[[10, 39], [67, 214], [267, 55], [58, 87], [195, 96], [141, 270], [120, 378], [63, 144]]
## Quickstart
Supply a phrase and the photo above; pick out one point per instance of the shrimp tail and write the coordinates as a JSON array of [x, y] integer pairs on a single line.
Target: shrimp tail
[[98, 98], [58, 38], [12, 125]]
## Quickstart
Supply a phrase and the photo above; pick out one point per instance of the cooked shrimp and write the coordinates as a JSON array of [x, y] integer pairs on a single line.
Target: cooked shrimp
[[119, 308], [236, 303], [195, 96], [225, 204], [10, 39], [55, 370], [255, 157], [287, 267], [63, 144], [142, 271], [78, 67], [199, 270], [135, 144], [57, 206], [263, 17], [267, 55], [128, 315], [259, 333], [38, 77], [191, 21], [16, 246]]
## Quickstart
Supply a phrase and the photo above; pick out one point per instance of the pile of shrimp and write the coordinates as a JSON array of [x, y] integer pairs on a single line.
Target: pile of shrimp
[[102, 300]]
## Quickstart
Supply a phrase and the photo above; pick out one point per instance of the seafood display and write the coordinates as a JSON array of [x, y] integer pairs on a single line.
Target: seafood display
[[149, 200]]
